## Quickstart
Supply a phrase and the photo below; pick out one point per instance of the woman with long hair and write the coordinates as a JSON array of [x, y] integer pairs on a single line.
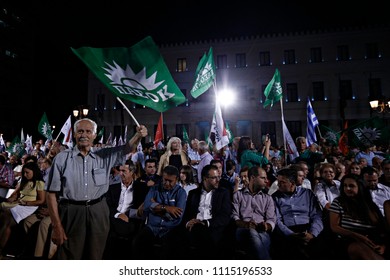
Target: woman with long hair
[[174, 155], [357, 222], [247, 157], [186, 178]]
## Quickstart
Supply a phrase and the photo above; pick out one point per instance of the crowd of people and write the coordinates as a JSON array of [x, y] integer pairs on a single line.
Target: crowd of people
[[247, 200]]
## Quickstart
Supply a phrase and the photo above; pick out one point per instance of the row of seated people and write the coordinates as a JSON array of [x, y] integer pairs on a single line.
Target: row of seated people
[[155, 217], [210, 223]]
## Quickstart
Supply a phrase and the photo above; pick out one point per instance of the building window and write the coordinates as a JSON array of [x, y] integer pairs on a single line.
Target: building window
[[270, 129], [295, 128], [181, 65], [221, 62], [240, 60], [315, 55], [318, 91], [244, 128], [292, 92], [372, 50], [343, 53], [265, 58], [375, 88], [289, 57], [345, 87]]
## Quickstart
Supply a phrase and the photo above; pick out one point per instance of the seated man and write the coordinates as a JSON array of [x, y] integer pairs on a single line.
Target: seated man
[[164, 207], [254, 215], [299, 219], [207, 215], [150, 177], [126, 218]]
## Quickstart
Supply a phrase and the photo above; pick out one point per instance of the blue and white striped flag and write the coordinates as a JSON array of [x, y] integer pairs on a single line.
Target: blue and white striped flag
[[312, 122]]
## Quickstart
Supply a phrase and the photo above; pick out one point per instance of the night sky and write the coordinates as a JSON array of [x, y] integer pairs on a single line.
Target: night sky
[[53, 28]]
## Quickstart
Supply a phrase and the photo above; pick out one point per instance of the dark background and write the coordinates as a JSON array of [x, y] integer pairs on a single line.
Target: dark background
[[49, 78]]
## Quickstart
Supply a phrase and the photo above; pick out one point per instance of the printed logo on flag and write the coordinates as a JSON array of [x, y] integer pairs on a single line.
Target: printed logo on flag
[[203, 77], [128, 83]]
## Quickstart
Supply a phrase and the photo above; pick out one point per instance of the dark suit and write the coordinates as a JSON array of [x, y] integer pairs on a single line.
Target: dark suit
[[207, 238], [121, 232]]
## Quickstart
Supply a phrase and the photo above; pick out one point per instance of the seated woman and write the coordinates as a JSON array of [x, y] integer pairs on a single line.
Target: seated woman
[[28, 195], [357, 222]]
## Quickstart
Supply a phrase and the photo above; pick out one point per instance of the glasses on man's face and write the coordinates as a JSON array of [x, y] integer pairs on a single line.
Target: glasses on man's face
[[214, 177]]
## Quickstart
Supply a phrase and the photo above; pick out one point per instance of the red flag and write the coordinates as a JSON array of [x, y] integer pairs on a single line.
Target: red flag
[[159, 132], [343, 141]]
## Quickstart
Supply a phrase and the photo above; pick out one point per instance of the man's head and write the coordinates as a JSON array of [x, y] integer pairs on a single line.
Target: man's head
[[385, 165], [127, 172], [203, 147], [170, 177], [244, 175], [370, 177], [257, 179], [210, 177], [150, 166], [300, 142], [148, 148], [194, 144], [85, 133], [217, 163], [287, 179]]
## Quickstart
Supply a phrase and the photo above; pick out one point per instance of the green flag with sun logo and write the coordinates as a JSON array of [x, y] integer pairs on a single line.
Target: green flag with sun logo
[[273, 91], [44, 127], [204, 75], [373, 131], [137, 73]]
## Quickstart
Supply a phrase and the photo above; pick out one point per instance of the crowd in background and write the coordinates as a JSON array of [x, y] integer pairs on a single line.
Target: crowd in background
[[245, 200]]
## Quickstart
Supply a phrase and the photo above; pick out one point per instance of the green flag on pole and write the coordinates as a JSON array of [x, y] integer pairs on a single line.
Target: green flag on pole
[[16, 147], [138, 74], [185, 135], [229, 132], [273, 91], [330, 135], [44, 127], [204, 75]]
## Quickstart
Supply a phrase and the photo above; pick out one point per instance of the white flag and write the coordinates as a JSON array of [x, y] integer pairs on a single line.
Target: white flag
[[125, 134], [68, 141], [67, 126], [120, 141], [29, 146], [218, 128], [114, 142], [109, 140], [290, 148], [22, 139]]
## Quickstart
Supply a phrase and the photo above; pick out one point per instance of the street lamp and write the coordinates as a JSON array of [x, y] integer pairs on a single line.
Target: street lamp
[[80, 112], [382, 106]]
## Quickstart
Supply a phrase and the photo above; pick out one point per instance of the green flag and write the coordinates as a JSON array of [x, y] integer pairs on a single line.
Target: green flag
[[185, 135], [101, 133], [229, 132], [16, 147], [138, 74], [330, 135], [273, 91], [204, 75], [44, 127], [369, 132]]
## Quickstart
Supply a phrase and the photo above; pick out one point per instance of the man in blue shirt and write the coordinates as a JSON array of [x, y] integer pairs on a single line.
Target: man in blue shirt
[[299, 219], [164, 207]]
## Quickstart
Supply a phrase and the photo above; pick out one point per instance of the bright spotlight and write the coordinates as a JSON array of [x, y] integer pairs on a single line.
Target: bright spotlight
[[226, 97]]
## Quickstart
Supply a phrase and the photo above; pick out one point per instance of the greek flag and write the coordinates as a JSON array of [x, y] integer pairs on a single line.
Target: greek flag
[[312, 122]]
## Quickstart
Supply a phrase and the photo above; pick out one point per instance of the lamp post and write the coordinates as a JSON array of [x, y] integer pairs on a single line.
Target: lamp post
[[80, 112], [381, 106]]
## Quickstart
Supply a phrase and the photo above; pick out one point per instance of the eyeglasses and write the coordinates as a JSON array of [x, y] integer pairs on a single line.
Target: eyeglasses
[[214, 177]]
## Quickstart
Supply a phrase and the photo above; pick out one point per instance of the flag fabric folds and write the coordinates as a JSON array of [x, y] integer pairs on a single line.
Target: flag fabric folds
[[343, 140], [312, 123], [204, 75], [273, 91], [159, 137], [137, 73], [291, 148], [186, 138], [229, 132], [372, 131], [109, 140], [16, 147], [28, 144], [330, 135], [44, 127], [218, 130]]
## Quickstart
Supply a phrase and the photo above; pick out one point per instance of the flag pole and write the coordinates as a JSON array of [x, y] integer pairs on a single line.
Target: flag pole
[[284, 136], [128, 111]]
